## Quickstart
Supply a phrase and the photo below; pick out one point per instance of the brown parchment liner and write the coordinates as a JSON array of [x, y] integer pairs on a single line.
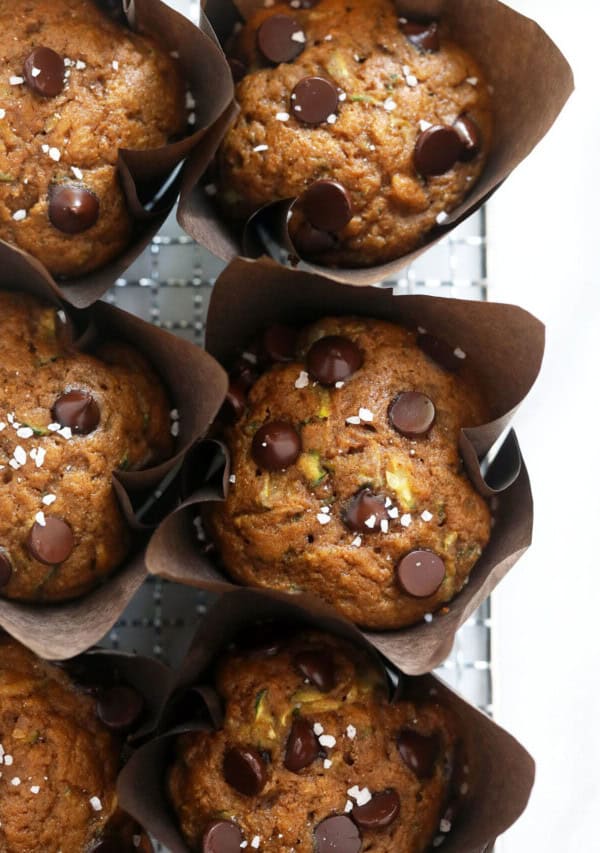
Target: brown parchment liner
[[196, 386], [144, 172], [531, 80], [501, 772], [503, 342]]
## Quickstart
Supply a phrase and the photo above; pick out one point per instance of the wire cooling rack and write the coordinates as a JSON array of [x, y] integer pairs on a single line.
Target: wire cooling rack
[[170, 285]]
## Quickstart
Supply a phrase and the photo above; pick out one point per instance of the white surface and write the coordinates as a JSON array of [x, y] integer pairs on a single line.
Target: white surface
[[544, 255]]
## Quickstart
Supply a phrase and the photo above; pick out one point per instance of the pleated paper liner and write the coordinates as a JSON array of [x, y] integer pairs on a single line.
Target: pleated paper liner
[[504, 345], [501, 772], [147, 178], [531, 82], [196, 386]]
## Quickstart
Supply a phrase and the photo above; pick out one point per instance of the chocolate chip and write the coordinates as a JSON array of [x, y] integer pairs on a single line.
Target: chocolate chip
[[238, 69], [235, 401], [423, 36], [52, 542], [72, 209], [44, 71], [5, 567], [280, 39], [276, 446], [302, 746], [419, 752], [245, 770], [119, 707], [412, 414], [244, 372], [382, 809], [314, 99], [337, 834], [327, 205], [279, 343], [421, 573], [439, 351], [318, 667], [437, 150], [222, 836], [365, 512], [77, 410], [310, 241], [469, 136], [333, 359]]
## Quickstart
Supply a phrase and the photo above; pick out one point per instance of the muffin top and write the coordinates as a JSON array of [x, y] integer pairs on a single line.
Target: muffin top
[[312, 756], [379, 125], [77, 87], [346, 476], [67, 421]]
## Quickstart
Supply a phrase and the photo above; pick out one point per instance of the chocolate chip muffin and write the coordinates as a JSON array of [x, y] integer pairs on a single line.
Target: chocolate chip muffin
[[78, 86], [379, 125], [59, 762], [346, 476], [67, 421], [312, 757]]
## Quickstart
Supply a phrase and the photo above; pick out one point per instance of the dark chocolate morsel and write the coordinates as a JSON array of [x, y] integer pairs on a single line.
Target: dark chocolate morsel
[[421, 573], [337, 834], [469, 136], [313, 100], [52, 542], [333, 359], [439, 351], [412, 414], [238, 69], [279, 343], [302, 746], [419, 752], [72, 209], [245, 770], [423, 36], [222, 836], [365, 512], [280, 39], [318, 667], [119, 707], [77, 410], [276, 446], [310, 241], [235, 401], [44, 72], [382, 810], [437, 150], [327, 205], [5, 568]]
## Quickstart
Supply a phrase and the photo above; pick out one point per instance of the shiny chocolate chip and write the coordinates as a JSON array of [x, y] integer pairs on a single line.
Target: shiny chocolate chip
[[119, 707], [318, 667], [235, 401], [279, 343], [238, 69], [382, 810], [77, 410], [302, 746], [337, 834], [313, 100], [245, 770], [72, 209], [333, 359], [365, 512], [421, 573], [276, 446], [327, 205], [437, 150], [52, 542], [222, 836], [412, 414], [469, 136], [419, 752], [280, 38], [44, 72], [438, 351], [422, 36], [5, 568], [310, 241]]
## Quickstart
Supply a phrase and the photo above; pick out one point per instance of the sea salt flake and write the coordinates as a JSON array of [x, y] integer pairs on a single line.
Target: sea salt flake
[[54, 154], [20, 455], [322, 518], [298, 37], [366, 415], [340, 384], [350, 731], [302, 381], [96, 804], [441, 217], [77, 172], [24, 432], [384, 525], [428, 617], [45, 148], [8, 760], [327, 741], [259, 148], [115, 65], [472, 81], [65, 432], [35, 72], [327, 763], [255, 842], [371, 522], [411, 81], [40, 518], [445, 825], [48, 500], [393, 512], [15, 781], [406, 519], [175, 429], [318, 729], [460, 353], [331, 119], [19, 215], [426, 515], [356, 542], [282, 116], [232, 479], [16, 81], [353, 420], [424, 125], [2, 113], [349, 806], [389, 105], [35, 789], [80, 65]]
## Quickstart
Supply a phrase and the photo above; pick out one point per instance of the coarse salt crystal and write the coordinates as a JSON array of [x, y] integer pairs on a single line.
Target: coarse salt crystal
[[371, 521], [384, 525], [259, 148], [318, 729], [460, 353], [349, 806], [428, 617], [77, 172], [389, 105], [15, 781], [356, 542], [20, 455], [327, 741], [35, 72], [54, 154], [282, 116], [65, 432], [406, 519], [96, 804], [16, 81], [426, 515], [353, 420], [232, 479], [393, 512], [35, 789], [8, 760], [48, 500], [340, 384], [327, 763], [2, 113], [255, 842], [115, 65], [24, 432], [302, 381], [441, 217], [322, 518], [331, 119], [80, 65], [299, 37], [366, 415], [19, 215], [445, 825], [472, 81], [351, 731], [424, 125]]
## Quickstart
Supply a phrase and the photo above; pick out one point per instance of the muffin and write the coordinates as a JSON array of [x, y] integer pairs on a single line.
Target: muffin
[[312, 757], [378, 125], [78, 86], [347, 480], [68, 419], [59, 762]]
